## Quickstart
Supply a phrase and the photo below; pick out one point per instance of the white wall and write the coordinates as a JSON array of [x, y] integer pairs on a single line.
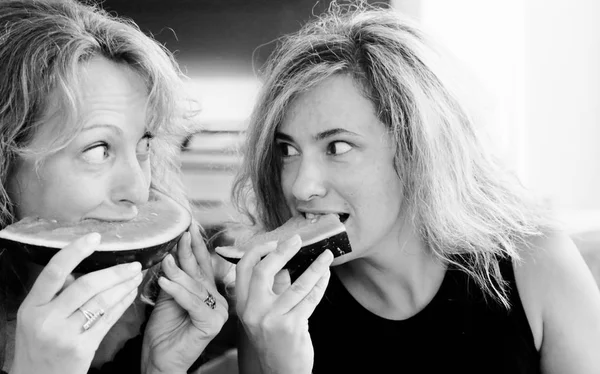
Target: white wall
[[562, 91], [540, 63]]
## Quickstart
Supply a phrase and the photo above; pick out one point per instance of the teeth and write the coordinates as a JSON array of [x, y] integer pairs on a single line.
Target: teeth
[[311, 216]]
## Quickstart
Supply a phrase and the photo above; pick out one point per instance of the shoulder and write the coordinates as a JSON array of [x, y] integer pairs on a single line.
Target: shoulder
[[559, 293], [551, 268]]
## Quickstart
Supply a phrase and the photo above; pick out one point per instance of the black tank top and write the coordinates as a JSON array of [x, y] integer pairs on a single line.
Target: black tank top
[[457, 332]]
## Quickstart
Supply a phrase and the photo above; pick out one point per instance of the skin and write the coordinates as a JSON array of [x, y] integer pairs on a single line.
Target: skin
[[566, 321], [104, 173]]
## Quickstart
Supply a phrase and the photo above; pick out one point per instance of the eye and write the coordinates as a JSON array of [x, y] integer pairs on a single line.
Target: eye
[[143, 146], [338, 148], [96, 154], [287, 150]]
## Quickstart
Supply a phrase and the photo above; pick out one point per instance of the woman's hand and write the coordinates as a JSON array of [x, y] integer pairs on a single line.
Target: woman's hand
[[53, 334], [273, 312], [189, 311]]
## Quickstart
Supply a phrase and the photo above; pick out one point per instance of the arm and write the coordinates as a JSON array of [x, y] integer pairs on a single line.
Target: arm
[[562, 302], [247, 357]]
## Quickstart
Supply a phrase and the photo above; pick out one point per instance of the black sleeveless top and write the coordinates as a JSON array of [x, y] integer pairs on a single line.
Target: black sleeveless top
[[457, 332]]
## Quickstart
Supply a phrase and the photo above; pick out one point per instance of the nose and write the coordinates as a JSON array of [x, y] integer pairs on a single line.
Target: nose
[[310, 180], [131, 183]]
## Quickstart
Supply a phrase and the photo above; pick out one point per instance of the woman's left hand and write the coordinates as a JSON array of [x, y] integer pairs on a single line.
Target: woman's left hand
[[189, 311]]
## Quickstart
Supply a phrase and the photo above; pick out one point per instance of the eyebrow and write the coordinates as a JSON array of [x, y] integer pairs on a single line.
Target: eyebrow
[[103, 125], [320, 136]]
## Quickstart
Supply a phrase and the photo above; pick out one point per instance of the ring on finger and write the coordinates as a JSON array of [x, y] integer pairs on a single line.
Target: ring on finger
[[210, 301], [90, 317]]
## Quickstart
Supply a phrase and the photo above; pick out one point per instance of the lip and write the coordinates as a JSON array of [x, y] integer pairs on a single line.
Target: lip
[[342, 215], [113, 214], [108, 219], [111, 218]]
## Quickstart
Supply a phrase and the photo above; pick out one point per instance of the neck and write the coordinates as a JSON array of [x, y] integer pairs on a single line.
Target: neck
[[396, 279]]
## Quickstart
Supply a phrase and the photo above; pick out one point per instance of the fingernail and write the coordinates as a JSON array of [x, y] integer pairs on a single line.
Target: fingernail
[[325, 257], [93, 238], [134, 267]]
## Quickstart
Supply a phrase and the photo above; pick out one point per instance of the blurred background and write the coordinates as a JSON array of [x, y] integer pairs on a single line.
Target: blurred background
[[532, 67]]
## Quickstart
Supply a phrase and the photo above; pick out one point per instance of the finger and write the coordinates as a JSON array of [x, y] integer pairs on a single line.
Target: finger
[[263, 275], [55, 273], [245, 268], [276, 260], [186, 257], [106, 300], [69, 281], [100, 328], [305, 308], [201, 252], [191, 302], [282, 282], [89, 285], [175, 274], [304, 285], [190, 265]]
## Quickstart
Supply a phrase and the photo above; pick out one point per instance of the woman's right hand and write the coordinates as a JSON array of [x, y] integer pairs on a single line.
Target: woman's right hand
[[274, 312], [50, 334]]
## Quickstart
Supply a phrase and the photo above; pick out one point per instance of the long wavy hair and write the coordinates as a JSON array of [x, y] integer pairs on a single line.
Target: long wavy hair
[[467, 208], [42, 46]]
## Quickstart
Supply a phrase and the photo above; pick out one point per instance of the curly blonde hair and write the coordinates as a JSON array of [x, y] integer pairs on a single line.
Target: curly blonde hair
[[42, 45]]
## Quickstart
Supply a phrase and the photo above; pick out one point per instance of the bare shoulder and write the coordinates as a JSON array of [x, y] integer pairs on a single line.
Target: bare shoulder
[[551, 267], [562, 302]]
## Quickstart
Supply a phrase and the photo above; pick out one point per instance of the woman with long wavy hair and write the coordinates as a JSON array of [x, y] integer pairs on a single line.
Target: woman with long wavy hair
[[453, 268]]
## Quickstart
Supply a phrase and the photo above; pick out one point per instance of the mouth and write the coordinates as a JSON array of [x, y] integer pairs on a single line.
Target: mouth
[[113, 215], [109, 219], [343, 217]]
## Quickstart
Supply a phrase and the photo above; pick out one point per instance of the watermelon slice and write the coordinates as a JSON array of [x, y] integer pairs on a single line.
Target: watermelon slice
[[147, 238], [317, 234]]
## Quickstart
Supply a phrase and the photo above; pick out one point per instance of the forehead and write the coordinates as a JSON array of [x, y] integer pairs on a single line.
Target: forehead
[[101, 78], [337, 102], [101, 86]]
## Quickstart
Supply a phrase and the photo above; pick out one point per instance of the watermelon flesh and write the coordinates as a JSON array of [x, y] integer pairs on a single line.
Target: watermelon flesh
[[146, 238], [317, 234]]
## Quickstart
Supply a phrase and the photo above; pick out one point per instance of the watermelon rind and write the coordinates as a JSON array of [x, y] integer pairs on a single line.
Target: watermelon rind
[[148, 250], [335, 239]]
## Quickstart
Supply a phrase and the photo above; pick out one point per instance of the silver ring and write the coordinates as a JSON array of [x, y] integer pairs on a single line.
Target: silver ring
[[90, 317], [210, 301]]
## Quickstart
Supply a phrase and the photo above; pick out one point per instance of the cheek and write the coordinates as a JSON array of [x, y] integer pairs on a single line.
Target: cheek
[[56, 191], [147, 171], [378, 195], [71, 197], [286, 184]]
